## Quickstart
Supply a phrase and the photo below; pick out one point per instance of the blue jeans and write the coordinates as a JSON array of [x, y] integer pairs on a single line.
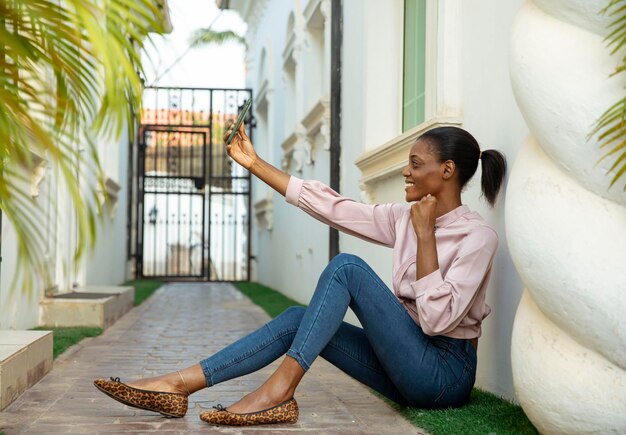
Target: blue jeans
[[390, 354]]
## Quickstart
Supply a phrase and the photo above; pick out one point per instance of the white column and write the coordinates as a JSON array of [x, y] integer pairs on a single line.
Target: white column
[[566, 230]]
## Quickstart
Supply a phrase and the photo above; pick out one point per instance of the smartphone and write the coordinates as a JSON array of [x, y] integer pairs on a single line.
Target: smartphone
[[244, 111]]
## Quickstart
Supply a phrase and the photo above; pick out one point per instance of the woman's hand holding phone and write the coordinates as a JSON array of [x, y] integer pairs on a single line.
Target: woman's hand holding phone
[[240, 148]]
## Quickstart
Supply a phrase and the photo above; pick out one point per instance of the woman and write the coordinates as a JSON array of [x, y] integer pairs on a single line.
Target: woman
[[417, 345]]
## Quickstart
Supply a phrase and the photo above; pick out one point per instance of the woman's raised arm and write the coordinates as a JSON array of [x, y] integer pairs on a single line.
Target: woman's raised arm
[[242, 151], [374, 223]]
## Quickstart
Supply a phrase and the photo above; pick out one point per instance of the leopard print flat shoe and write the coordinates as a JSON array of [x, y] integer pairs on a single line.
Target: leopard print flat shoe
[[286, 412], [168, 404]]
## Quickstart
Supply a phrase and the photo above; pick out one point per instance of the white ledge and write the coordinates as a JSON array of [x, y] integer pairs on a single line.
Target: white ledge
[[288, 146], [309, 9], [289, 57], [262, 98], [318, 113], [263, 210], [109, 191], [389, 158]]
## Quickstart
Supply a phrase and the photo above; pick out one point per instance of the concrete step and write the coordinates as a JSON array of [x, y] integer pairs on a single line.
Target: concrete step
[[25, 358], [98, 306]]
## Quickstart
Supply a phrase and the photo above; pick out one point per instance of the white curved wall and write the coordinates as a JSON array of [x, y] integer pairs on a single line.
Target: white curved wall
[[566, 230]]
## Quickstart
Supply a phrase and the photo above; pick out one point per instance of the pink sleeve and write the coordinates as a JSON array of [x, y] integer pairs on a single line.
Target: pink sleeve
[[443, 301], [373, 223]]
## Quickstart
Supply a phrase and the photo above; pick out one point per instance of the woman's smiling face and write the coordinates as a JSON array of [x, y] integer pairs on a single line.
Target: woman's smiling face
[[422, 174]]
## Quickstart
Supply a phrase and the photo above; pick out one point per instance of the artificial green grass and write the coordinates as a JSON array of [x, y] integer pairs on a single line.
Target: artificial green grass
[[143, 288], [270, 300], [486, 413], [63, 338]]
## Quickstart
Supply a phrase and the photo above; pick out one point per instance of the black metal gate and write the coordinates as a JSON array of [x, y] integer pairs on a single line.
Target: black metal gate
[[192, 215]]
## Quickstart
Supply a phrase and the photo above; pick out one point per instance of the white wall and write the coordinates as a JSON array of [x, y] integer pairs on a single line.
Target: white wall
[[492, 116], [18, 309], [106, 264], [19, 301]]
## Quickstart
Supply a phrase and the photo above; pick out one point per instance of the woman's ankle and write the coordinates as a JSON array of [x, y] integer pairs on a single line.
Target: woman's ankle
[[179, 383]]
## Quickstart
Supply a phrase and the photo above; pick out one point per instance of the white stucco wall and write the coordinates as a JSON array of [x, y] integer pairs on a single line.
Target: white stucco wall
[[106, 264], [491, 114], [18, 309]]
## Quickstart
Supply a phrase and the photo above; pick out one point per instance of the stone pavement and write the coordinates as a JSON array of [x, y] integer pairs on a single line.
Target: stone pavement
[[179, 325]]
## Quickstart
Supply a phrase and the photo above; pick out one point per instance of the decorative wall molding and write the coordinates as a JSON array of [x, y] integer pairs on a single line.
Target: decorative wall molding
[[38, 171], [263, 95], [317, 121], [111, 191], [388, 159], [264, 212], [289, 148], [291, 53], [311, 10], [252, 13]]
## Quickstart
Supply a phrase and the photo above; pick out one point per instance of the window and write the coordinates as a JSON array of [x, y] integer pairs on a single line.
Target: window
[[413, 93]]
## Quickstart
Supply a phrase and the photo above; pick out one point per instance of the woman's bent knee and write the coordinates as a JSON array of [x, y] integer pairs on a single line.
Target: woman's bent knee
[[292, 315], [345, 258]]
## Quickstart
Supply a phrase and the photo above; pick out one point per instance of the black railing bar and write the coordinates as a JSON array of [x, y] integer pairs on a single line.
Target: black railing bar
[[207, 216], [170, 193], [229, 193], [243, 177], [197, 89], [168, 127], [178, 250], [171, 177], [167, 217]]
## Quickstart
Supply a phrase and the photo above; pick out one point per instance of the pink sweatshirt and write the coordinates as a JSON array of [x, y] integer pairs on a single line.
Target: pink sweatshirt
[[449, 301]]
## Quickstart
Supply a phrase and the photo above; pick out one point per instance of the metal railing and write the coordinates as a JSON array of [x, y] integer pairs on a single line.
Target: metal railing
[[192, 204]]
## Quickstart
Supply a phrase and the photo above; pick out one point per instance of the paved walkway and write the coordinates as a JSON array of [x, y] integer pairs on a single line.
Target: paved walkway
[[179, 325]]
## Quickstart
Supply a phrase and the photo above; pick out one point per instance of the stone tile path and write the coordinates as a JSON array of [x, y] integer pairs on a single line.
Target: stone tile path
[[179, 325]]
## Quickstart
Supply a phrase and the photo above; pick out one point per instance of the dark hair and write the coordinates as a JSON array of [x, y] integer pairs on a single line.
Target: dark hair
[[456, 144]]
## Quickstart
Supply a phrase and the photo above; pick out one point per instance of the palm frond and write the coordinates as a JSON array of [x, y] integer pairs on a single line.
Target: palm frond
[[611, 126], [208, 36], [69, 76]]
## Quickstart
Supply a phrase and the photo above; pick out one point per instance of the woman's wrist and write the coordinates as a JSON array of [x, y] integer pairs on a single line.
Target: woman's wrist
[[255, 165], [424, 234]]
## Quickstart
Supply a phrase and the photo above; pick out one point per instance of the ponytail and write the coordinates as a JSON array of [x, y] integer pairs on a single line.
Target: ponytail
[[494, 169]]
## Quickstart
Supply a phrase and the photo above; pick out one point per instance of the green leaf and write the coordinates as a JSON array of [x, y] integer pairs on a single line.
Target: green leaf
[[611, 126], [67, 76], [207, 36]]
